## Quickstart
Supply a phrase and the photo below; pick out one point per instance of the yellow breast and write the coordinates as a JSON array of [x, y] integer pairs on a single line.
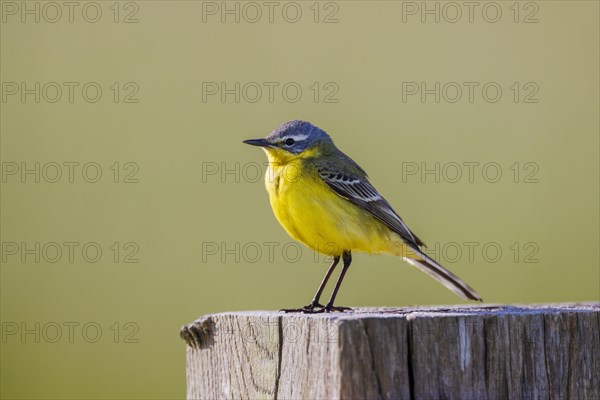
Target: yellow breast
[[316, 216]]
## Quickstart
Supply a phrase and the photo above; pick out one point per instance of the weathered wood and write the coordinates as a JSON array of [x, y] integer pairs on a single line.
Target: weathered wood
[[477, 352]]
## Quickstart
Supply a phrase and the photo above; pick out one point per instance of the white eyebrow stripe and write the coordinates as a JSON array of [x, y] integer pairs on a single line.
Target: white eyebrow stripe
[[297, 138]]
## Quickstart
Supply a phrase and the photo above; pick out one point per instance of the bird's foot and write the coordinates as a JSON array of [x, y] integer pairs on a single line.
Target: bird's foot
[[312, 308], [331, 308]]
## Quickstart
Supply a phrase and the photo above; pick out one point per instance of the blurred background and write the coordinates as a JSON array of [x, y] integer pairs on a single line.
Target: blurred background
[[130, 206]]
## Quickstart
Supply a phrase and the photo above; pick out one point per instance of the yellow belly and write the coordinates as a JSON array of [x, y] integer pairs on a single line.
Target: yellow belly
[[314, 215]]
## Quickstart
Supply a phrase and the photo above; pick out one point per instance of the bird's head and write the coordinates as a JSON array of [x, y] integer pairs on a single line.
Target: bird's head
[[294, 139]]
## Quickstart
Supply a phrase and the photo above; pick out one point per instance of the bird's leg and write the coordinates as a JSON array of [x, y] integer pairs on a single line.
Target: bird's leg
[[311, 308], [347, 257], [315, 301]]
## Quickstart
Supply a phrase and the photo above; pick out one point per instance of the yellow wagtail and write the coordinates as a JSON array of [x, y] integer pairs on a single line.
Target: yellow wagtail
[[323, 199]]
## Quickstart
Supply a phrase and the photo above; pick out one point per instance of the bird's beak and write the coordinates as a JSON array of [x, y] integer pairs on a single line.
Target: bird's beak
[[258, 142]]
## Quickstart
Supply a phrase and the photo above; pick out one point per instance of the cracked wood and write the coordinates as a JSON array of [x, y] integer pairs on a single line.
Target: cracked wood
[[472, 352]]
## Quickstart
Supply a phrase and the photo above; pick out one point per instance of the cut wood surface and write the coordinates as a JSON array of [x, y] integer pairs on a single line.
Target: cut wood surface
[[446, 352]]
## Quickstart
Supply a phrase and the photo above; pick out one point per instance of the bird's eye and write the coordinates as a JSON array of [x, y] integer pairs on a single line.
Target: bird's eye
[[289, 142]]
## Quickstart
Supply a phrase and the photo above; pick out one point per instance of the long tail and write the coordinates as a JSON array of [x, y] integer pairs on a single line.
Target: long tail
[[442, 275]]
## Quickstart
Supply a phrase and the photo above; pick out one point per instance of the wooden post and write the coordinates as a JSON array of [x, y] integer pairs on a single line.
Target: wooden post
[[471, 352]]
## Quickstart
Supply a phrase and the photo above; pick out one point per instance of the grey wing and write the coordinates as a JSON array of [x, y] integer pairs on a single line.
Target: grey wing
[[361, 193]]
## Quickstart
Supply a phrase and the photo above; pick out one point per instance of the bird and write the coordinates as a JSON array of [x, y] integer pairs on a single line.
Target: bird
[[323, 199]]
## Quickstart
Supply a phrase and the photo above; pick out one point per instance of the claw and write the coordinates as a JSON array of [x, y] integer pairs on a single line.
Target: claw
[[312, 308], [331, 308]]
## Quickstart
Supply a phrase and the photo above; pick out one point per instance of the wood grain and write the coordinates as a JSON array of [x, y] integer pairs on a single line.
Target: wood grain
[[448, 352]]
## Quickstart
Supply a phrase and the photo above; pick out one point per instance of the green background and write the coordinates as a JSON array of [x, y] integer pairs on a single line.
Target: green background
[[176, 209]]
